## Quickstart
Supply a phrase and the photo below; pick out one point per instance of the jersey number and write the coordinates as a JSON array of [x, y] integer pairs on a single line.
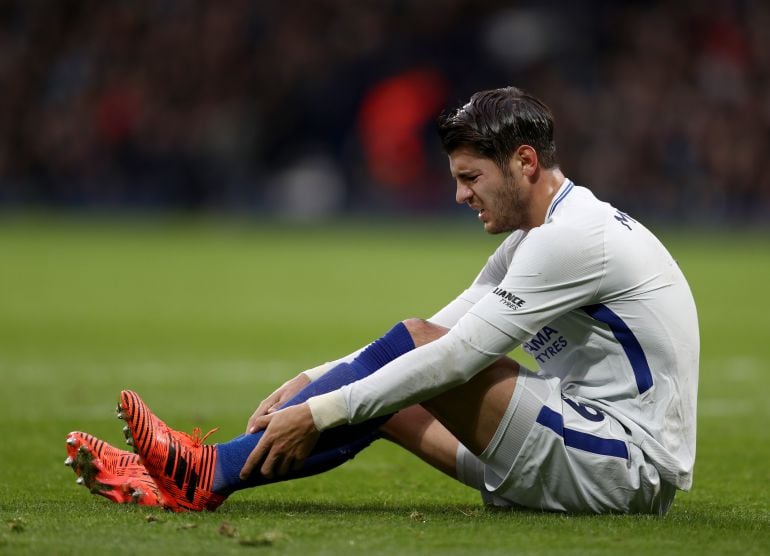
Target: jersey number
[[590, 413]]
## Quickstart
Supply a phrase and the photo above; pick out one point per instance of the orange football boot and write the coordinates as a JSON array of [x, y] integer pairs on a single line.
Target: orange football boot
[[110, 472], [181, 465]]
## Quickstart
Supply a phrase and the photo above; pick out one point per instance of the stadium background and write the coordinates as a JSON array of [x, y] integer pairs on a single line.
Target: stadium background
[[311, 109], [198, 199]]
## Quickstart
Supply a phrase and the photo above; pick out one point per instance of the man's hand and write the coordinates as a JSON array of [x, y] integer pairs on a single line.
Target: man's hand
[[289, 437], [276, 400]]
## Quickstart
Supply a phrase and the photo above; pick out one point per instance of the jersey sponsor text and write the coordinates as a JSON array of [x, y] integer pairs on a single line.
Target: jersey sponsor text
[[511, 300], [548, 342]]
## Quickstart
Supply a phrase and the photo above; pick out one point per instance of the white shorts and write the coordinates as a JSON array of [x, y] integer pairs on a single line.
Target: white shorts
[[552, 452]]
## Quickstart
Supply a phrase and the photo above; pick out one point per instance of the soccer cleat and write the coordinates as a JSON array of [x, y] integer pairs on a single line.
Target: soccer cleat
[[181, 465], [107, 471]]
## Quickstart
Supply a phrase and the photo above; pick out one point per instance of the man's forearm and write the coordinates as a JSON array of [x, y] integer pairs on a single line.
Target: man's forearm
[[415, 376]]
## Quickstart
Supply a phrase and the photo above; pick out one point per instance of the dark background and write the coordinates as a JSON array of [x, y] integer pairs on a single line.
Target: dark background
[[313, 109]]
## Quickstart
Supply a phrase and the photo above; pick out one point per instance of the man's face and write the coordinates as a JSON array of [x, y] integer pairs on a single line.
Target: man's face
[[500, 200]]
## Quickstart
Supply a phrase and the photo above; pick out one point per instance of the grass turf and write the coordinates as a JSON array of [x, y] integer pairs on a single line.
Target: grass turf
[[205, 318]]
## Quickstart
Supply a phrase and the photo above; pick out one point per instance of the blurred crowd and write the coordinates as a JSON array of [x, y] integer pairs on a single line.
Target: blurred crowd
[[312, 108]]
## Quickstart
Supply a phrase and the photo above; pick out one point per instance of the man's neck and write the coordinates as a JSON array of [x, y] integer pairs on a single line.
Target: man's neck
[[543, 191]]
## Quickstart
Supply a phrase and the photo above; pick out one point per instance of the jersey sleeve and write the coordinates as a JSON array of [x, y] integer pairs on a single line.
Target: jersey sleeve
[[554, 271], [416, 376]]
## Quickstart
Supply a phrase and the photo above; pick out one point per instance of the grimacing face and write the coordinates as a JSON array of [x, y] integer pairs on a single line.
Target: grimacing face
[[499, 198]]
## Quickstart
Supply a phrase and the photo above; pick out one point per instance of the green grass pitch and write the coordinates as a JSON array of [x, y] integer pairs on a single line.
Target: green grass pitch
[[204, 318]]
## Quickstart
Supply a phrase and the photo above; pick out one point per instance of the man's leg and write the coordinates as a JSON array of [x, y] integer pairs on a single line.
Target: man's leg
[[491, 386], [471, 411], [194, 476], [441, 431], [420, 432], [335, 446]]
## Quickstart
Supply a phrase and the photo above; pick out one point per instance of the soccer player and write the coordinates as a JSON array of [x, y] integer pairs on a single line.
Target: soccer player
[[607, 422]]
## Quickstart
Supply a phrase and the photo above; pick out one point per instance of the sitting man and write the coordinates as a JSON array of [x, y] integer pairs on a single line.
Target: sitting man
[[607, 423]]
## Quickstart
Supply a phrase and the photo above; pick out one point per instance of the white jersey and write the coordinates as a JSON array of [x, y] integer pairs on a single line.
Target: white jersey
[[596, 300]]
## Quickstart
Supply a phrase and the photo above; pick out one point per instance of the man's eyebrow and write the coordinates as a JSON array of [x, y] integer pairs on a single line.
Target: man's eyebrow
[[467, 173]]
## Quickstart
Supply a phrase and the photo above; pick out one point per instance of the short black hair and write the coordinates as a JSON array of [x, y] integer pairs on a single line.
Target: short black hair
[[495, 123]]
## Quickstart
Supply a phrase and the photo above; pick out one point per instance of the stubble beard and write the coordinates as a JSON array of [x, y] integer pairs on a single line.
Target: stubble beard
[[510, 208]]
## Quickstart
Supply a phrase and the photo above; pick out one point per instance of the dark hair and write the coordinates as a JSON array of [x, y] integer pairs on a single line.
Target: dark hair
[[495, 123]]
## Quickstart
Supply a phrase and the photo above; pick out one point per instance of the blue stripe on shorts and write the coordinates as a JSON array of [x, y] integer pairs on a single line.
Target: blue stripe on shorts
[[581, 440]]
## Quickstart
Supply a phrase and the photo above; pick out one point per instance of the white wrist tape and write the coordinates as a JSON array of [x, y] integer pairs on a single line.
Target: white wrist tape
[[317, 372], [328, 410]]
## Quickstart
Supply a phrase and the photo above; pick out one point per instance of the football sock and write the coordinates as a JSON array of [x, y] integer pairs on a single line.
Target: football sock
[[395, 343], [334, 446]]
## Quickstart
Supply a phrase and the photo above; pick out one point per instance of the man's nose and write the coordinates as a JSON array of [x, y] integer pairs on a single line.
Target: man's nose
[[463, 194]]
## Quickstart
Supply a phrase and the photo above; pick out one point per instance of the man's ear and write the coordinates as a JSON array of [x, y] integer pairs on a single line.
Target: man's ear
[[526, 158]]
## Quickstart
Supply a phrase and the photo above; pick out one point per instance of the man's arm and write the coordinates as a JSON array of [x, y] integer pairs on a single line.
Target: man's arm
[[421, 374]]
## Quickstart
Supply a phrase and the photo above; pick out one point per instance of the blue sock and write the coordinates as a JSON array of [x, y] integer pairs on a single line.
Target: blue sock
[[334, 446]]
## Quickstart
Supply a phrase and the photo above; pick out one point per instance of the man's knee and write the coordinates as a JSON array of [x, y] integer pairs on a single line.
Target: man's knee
[[473, 411], [423, 331]]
